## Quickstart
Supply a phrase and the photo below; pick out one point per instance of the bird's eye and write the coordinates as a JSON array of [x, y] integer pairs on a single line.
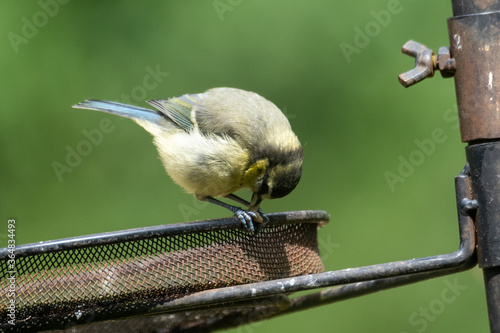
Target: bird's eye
[[263, 185]]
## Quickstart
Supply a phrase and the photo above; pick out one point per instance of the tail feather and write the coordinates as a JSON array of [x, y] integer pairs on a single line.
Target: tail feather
[[120, 109]]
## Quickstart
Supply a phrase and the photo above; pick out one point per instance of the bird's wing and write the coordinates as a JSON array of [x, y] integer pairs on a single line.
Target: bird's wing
[[178, 109], [235, 113]]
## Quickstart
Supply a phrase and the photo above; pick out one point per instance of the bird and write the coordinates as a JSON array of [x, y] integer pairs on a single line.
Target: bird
[[214, 143]]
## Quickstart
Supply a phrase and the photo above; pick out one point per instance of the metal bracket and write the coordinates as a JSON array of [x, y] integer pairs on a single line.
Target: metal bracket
[[355, 282], [360, 280]]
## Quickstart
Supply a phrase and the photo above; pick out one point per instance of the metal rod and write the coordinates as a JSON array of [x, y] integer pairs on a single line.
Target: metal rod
[[327, 279], [357, 281], [474, 33], [463, 194], [461, 259], [492, 286], [349, 291], [484, 160]]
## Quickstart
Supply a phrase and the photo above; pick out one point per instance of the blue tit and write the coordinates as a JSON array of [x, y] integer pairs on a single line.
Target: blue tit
[[217, 142]]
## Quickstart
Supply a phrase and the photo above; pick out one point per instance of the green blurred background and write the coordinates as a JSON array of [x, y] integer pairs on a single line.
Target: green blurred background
[[355, 121]]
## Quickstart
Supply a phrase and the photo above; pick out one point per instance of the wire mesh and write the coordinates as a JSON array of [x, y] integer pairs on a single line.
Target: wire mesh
[[103, 277]]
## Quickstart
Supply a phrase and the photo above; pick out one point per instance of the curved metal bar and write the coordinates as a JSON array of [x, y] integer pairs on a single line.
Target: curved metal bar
[[304, 216], [348, 291], [357, 281], [461, 259]]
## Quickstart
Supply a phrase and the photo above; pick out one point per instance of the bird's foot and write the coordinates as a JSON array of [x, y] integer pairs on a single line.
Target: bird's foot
[[246, 218], [252, 221]]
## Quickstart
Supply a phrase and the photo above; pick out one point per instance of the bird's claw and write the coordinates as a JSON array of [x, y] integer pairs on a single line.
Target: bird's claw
[[265, 221], [247, 218], [264, 218]]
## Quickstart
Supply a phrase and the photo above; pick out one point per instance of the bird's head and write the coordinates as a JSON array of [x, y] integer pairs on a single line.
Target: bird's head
[[274, 177]]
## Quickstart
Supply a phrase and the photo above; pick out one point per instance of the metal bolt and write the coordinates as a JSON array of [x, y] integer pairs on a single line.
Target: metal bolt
[[467, 206], [446, 63], [426, 62]]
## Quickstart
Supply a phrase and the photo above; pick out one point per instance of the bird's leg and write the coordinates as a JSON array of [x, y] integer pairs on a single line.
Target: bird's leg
[[236, 198], [242, 201], [245, 216]]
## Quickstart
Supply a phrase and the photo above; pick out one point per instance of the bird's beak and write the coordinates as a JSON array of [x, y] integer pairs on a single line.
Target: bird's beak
[[255, 203]]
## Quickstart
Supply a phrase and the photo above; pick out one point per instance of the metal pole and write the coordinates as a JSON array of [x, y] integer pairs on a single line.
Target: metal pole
[[474, 33]]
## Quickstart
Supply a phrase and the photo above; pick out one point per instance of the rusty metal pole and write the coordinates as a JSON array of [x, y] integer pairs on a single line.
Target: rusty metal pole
[[474, 32]]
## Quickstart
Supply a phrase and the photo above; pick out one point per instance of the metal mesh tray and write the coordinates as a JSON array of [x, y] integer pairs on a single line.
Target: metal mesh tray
[[116, 275]]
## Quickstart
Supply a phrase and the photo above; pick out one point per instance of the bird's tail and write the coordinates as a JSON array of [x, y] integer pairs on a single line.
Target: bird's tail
[[124, 110]]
